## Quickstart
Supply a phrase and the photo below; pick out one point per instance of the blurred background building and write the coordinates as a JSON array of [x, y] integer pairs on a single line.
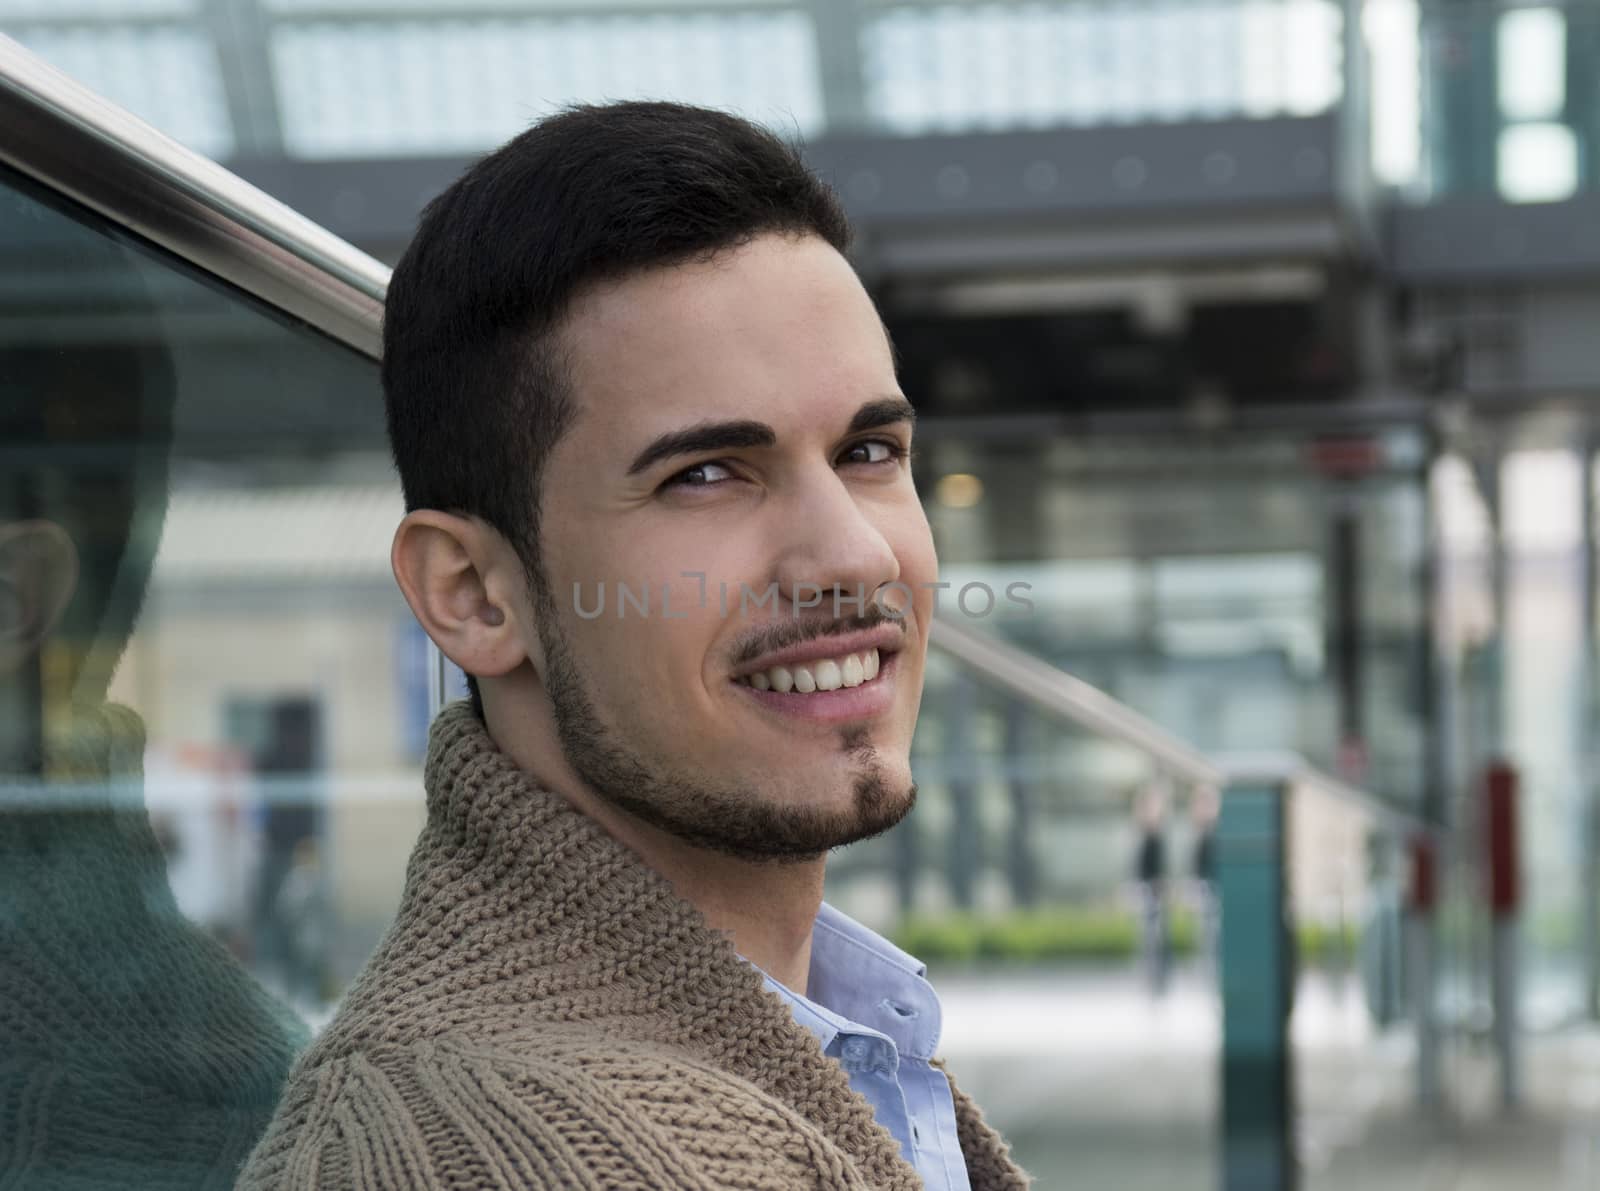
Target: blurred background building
[[1257, 337]]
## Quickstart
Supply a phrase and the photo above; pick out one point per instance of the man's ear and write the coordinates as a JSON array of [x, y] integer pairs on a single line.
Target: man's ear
[[464, 584], [38, 574]]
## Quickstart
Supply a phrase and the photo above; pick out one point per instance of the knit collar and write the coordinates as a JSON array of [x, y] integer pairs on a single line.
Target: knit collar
[[515, 898], [101, 742], [85, 815]]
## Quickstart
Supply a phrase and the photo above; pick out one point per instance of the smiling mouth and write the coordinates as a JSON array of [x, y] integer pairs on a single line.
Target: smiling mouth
[[825, 674]]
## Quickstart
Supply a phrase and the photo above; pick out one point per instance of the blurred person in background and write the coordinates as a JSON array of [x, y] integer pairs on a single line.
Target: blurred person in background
[[1205, 805], [626, 350], [301, 906], [134, 1051], [285, 763], [1150, 881]]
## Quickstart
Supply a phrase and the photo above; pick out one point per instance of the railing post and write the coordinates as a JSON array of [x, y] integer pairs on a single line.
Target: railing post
[[1504, 893], [1423, 965], [1258, 964]]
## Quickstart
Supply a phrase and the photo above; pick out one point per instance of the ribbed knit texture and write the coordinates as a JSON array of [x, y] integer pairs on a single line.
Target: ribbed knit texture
[[135, 1053], [546, 1012]]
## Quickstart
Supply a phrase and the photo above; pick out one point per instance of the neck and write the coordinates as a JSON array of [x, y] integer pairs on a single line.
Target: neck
[[766, 908]]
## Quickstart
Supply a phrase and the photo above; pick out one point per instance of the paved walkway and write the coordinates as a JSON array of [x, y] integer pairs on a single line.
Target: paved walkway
[[1099, 1087], [1552, 1141]]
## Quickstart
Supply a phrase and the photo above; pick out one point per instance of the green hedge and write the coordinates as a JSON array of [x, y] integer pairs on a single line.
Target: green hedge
[[1321, 944], [1031, 936], [1042, 936]]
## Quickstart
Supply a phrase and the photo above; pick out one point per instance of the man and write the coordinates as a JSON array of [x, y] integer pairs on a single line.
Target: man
[[656, 458], [1150, 872]]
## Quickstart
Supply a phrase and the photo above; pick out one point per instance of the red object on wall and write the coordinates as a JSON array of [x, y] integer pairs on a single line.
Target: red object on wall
[[1500, 829], [1345, 456], [1424, 876]]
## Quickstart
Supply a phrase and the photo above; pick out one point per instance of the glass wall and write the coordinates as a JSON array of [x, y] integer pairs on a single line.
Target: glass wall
[[1056, 885], [1509, 99], [1248, 591], [214, 702]]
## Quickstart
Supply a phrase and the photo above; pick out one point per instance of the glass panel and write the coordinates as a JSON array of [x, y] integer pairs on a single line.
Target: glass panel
[[1228, 589], [1532, 63], [108, 9], [949, 67], [1508, 100], [1066, 896], [208, 777], [1391, 29], [1537, 163], [432, 87], [1542, 683], [1049, 880], [446, 7]]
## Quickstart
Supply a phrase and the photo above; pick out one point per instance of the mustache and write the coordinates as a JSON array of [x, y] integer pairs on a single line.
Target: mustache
[[783, 634]]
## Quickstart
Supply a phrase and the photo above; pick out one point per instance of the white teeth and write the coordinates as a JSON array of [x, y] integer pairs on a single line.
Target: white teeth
[[829, 676]]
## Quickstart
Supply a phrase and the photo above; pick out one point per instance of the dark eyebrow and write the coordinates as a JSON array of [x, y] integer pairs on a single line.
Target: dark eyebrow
[[708, 436], [886, 412], [730, 436]]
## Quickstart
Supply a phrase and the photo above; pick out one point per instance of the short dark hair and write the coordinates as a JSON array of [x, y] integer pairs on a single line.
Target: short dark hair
[[474, 386]]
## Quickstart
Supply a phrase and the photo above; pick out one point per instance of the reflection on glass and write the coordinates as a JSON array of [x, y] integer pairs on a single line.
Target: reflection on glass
[[165, 756]]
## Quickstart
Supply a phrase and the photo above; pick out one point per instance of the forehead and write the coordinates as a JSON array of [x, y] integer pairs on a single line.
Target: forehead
[[780, 328]]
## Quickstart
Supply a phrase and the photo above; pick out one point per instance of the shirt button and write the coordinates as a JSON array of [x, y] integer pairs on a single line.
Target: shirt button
[[857, 1050]]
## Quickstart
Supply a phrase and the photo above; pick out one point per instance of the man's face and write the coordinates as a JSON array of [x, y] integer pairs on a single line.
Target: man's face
[[738, 419]]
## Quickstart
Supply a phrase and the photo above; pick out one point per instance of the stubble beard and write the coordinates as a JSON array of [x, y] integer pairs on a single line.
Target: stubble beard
[[741, 822]]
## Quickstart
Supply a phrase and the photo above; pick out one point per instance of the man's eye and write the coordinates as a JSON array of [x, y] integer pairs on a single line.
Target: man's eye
[[700, 475], [873, 450]]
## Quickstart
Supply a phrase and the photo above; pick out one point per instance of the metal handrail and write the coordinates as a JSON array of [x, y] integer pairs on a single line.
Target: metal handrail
[[1289, 769], [1055, 692], [63, 135]]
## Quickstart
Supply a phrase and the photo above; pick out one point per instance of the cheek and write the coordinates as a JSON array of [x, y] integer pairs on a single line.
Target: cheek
[[644, 665], [914, 548], [651, 612]]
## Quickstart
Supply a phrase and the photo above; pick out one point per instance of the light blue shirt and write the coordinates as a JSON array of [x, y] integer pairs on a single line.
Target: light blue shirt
[[876, 1015]]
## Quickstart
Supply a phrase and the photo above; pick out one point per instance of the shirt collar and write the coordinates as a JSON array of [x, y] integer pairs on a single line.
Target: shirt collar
[[860, 982]]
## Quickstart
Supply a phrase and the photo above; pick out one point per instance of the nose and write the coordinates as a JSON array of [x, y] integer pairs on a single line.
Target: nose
[[834, 550]]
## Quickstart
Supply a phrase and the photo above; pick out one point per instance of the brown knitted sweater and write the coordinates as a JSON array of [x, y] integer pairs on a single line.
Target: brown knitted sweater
[[546, 1012]]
